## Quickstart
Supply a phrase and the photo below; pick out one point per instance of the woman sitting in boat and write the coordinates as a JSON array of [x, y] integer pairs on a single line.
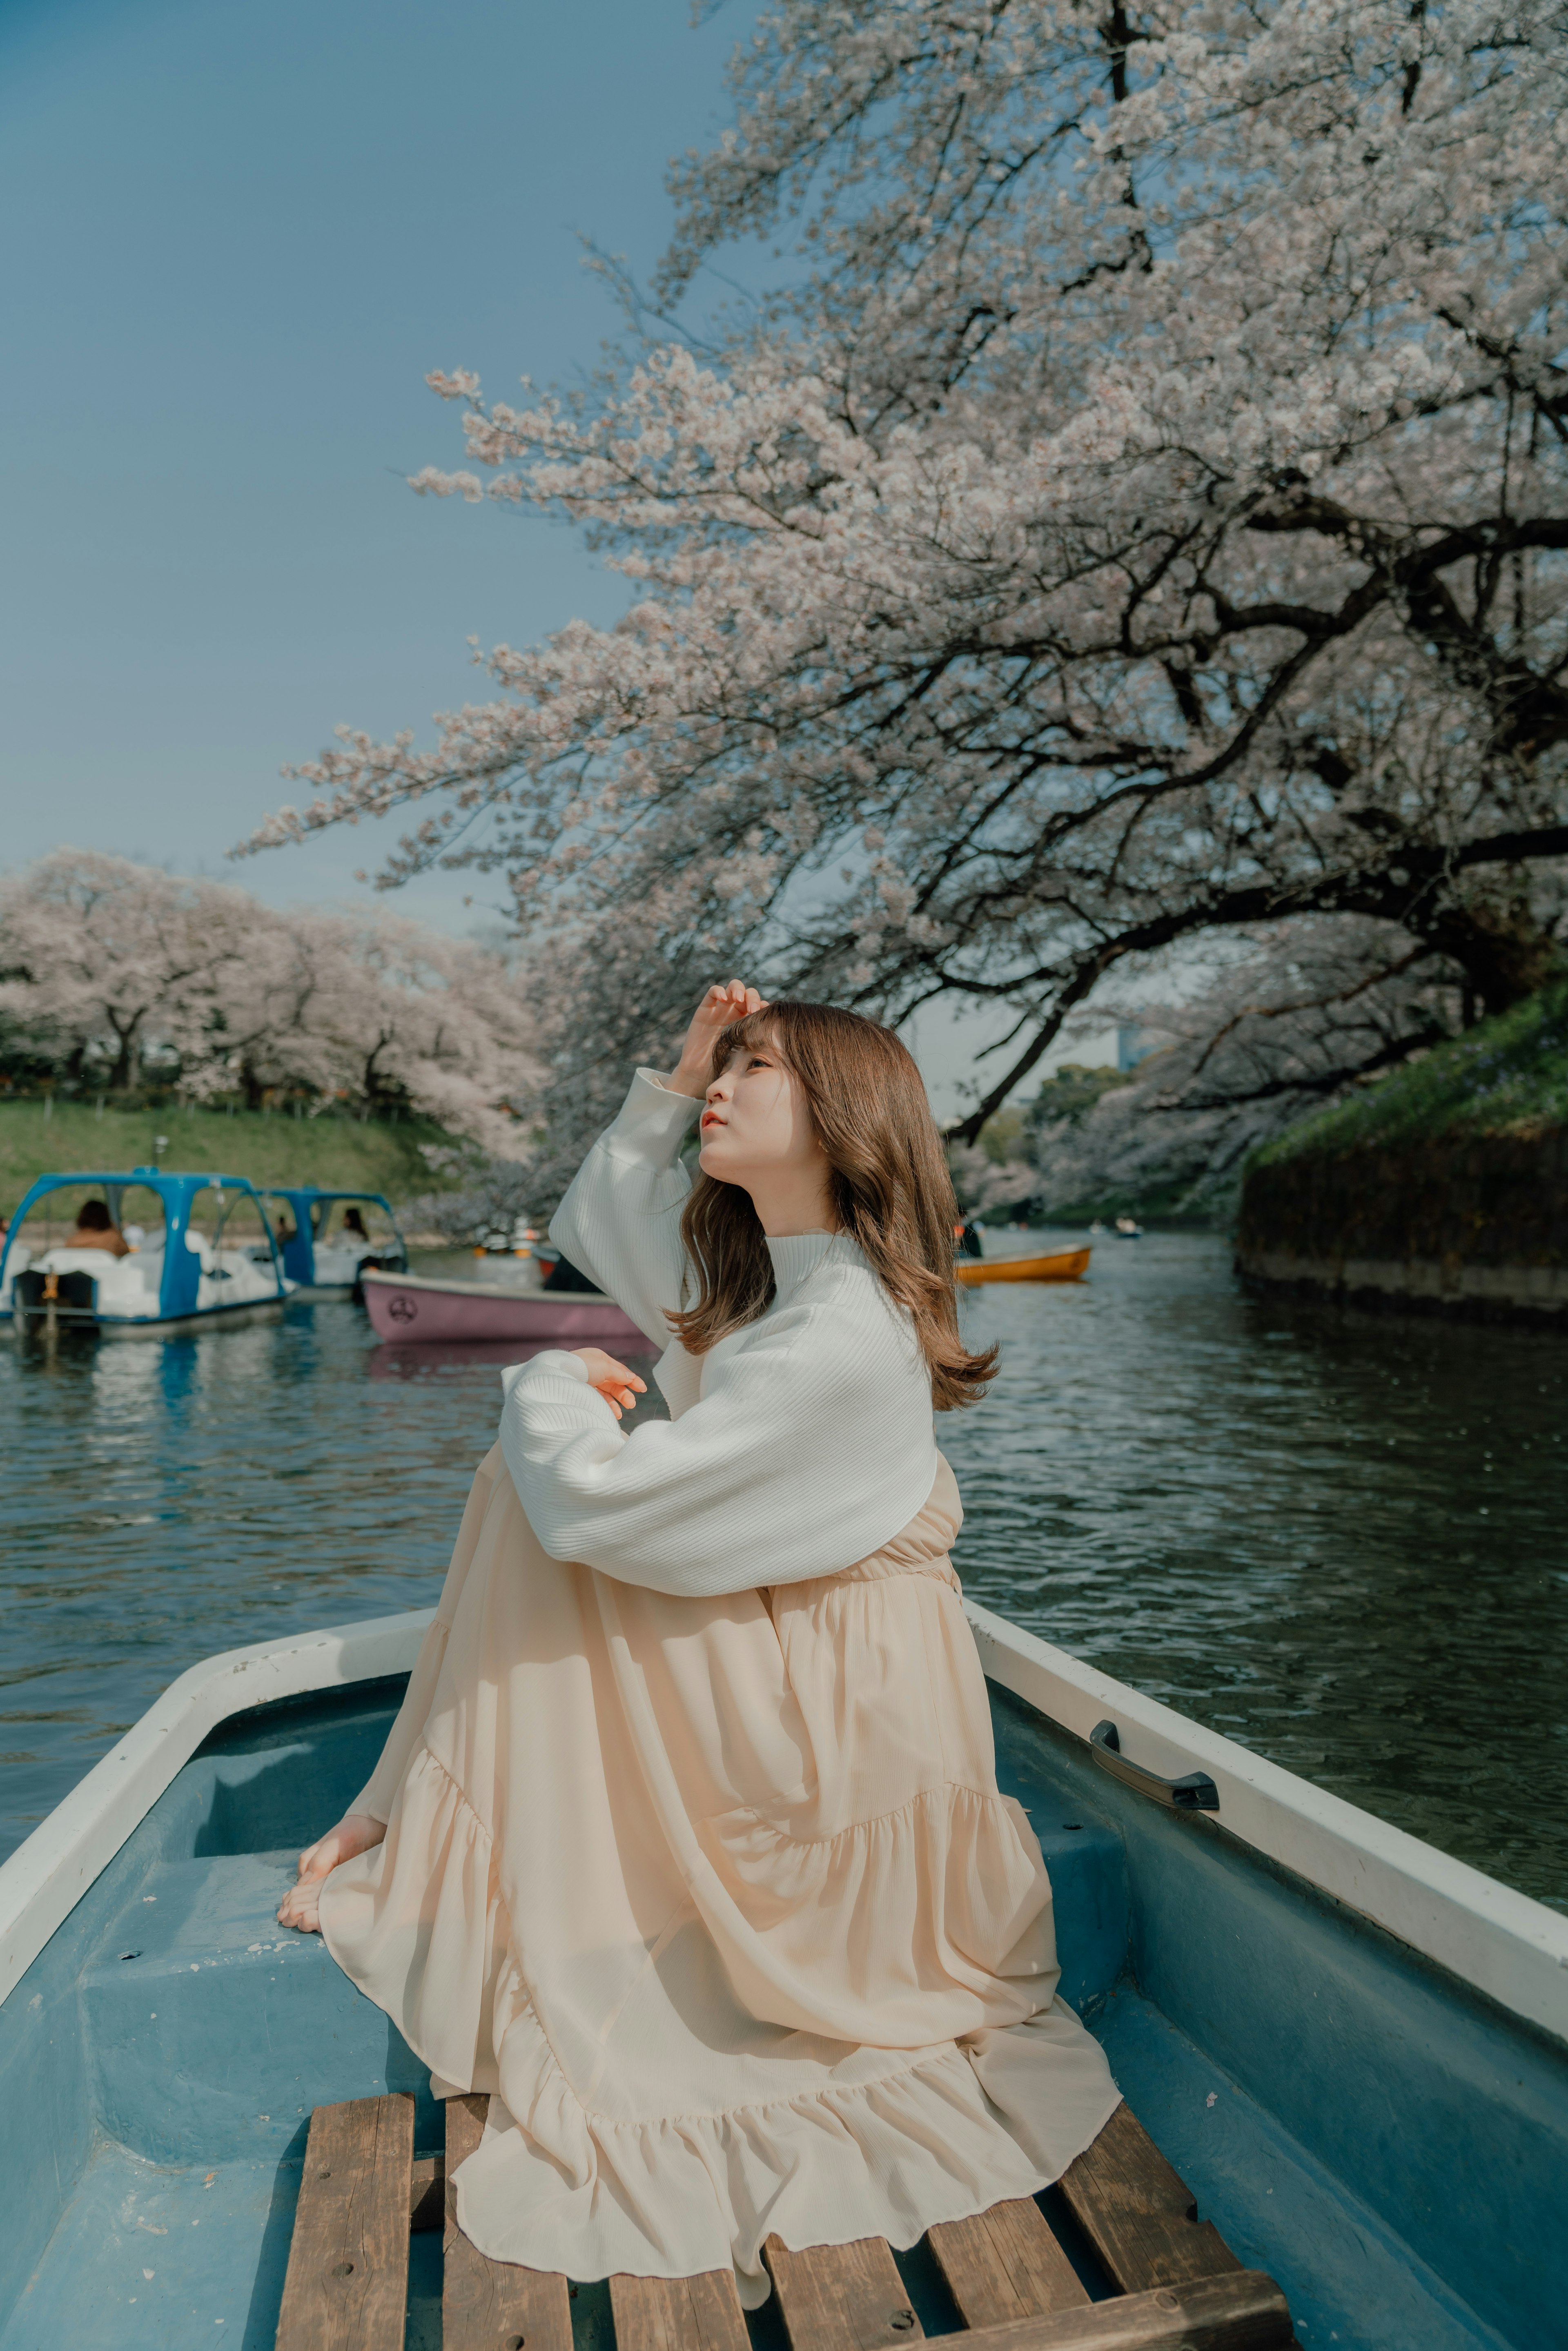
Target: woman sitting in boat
[[687, 1845]]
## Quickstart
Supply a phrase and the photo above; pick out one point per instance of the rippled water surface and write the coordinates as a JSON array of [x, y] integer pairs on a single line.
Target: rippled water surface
[[1338, 1537]]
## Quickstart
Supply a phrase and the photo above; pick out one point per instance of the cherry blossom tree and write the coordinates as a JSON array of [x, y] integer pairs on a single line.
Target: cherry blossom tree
[[406, 1019], [1283, 1021], [114, 972], [104, 961], [1142, 517]]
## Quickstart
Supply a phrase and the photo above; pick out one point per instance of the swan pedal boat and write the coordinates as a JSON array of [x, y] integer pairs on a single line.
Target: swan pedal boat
[[1059, 1265], [1344, 2057]]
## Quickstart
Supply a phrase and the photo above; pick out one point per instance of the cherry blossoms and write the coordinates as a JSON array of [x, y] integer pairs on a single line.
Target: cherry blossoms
[[1283, 1019], [118, 975], [1141, 519]]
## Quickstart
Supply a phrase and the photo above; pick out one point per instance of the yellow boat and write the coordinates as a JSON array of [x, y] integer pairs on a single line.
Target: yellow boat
[[1062, 1265]]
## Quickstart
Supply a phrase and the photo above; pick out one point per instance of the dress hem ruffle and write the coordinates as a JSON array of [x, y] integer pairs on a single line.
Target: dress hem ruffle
[[558, 2183]]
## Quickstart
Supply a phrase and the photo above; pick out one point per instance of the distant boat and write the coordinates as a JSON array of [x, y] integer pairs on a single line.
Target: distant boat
[[410, 1308], [1062, 1265], [324, 1259]]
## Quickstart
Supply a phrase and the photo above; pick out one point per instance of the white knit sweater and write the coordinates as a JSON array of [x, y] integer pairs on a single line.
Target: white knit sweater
[[796, 1446]]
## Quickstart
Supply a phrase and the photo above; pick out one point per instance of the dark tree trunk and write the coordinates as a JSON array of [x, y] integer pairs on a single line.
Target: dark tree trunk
[[122, 1077], [1501, 948]]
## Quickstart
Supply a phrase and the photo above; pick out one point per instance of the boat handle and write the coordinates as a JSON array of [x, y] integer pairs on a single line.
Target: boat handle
[[1195, 1791]]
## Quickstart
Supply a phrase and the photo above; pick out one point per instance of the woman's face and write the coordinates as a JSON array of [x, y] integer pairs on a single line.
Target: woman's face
[[755, 1122]]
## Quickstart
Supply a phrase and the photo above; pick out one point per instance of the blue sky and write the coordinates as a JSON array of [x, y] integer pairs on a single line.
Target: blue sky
[[237, 239]]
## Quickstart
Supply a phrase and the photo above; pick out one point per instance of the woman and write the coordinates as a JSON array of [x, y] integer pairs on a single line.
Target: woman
[[96, 1229], [687, 1844]]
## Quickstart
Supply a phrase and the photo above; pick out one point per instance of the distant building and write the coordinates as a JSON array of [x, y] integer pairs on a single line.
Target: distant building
[[1131, 1047]]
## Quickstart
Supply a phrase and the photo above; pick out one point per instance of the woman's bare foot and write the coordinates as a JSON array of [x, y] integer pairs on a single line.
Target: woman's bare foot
[[300, 1906]]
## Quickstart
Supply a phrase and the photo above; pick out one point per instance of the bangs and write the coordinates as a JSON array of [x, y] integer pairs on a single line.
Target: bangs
[[758, 1027]]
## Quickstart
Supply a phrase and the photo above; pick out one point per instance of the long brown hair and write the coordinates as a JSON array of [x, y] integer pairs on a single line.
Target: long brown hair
[[889, 1186]]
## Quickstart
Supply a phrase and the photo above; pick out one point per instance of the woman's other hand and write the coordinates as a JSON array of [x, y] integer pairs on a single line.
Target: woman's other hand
[[692, 1074], [300, 1906], [618, 1387]]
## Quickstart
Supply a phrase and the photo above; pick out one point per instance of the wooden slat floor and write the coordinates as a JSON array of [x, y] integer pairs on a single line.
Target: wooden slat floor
[[1179, 2286]]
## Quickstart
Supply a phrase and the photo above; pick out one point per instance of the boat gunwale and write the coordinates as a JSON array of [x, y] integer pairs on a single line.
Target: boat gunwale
[[1493, 1940], [490, 1289], [974, 1272]]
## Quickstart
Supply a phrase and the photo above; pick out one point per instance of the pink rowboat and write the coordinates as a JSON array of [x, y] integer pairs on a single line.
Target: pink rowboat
[[408, 1309]]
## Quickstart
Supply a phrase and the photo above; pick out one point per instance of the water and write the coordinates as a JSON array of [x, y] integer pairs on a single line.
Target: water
[[1337, 1537]]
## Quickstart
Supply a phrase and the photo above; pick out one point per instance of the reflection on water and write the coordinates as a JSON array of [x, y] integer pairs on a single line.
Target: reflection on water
[[1338, 1537]]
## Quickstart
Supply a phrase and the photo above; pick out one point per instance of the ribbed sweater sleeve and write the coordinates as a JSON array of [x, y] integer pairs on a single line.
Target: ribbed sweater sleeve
[[811, 1445], [621, 1221]]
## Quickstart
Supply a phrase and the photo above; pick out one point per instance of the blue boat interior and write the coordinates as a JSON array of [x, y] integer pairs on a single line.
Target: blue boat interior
[[1389, 2146]]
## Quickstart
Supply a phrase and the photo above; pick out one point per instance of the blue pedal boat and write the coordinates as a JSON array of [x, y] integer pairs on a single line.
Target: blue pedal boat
[[204, 1252], [324, 1255], [1353, 2049]]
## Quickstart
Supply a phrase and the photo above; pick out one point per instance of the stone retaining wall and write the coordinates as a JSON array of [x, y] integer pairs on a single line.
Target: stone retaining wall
[[1475, 1225]]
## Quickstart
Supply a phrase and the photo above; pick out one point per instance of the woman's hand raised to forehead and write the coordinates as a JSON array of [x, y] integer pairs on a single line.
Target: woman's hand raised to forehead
[[721, 1005]]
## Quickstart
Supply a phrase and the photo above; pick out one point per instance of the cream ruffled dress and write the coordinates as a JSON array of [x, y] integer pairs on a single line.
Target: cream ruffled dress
[[713, 1894]]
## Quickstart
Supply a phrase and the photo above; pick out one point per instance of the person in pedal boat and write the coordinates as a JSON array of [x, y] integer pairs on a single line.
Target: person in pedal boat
[[96, 1229], [687, 1845]]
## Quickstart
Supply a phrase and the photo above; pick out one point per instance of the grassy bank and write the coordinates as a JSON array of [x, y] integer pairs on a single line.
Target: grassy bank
[[268, 1147], [1443, 1190], [1507, 1077]]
